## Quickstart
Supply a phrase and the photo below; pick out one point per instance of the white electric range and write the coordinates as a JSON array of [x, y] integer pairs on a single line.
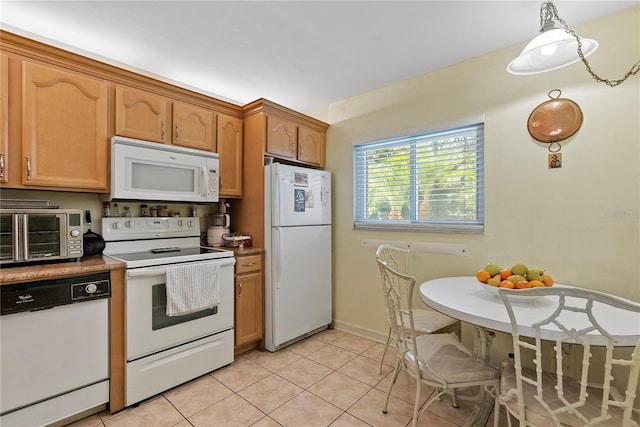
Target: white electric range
[[164, 351]]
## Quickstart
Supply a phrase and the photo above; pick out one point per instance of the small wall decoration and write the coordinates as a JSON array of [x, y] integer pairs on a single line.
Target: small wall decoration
[[555, 160], [553, 121]]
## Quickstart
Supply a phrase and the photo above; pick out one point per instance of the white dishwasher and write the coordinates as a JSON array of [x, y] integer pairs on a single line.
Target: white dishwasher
[[54, 349]]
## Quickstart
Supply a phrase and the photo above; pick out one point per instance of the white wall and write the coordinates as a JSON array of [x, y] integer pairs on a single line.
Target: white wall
[[581, 222]]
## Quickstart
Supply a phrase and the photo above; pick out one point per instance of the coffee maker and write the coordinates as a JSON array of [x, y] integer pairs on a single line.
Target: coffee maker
[[219, 224]]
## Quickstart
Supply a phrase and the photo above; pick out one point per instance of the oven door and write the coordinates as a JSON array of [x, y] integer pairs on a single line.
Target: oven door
[[150, 330]]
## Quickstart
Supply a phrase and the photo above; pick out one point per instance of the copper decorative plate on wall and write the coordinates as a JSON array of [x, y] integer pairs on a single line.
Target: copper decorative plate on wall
[[554, 120]]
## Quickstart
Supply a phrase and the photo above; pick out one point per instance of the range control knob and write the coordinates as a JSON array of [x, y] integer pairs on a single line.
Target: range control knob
[[189, 224], [116, 226], [75, 233], [90, 288], [180, 223], [130, 224]]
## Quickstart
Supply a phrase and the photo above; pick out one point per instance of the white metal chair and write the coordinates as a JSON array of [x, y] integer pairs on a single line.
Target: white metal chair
[[537, 398], [426, 320], [438, 360]]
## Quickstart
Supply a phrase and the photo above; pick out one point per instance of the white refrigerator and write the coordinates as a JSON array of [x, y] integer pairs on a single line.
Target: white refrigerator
[[298, 253]]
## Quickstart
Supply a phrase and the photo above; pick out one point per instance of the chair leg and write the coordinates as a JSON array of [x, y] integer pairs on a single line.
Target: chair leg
[[496, 405], [416, 404], [394, 378], [454, 402], [386, 346]]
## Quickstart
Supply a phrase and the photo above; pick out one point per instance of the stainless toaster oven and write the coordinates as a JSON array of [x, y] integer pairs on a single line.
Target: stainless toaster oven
[[39, 235]]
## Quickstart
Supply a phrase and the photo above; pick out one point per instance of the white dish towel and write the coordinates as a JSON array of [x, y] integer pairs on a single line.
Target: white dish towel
[[192, 287]]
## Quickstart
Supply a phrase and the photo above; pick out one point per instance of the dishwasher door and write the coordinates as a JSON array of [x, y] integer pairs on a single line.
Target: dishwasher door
[[52, 352]]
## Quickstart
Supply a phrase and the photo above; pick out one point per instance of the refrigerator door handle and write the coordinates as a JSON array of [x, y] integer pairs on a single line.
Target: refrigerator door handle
[[278, 256]]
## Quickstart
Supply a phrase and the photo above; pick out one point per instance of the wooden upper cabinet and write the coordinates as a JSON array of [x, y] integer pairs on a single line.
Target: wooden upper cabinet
[[282, 137], [193, 127], [289, 140], [311, 146], [142, 115], [64, 129], [229, 138], [4, 117]]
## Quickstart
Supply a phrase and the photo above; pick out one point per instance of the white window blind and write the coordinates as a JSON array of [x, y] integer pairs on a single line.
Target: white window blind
[[427, 182]]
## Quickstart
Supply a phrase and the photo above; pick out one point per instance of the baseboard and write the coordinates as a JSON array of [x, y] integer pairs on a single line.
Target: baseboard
[[363, 332]]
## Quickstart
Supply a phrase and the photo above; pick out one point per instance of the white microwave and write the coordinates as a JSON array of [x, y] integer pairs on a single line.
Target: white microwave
[[142, 170]]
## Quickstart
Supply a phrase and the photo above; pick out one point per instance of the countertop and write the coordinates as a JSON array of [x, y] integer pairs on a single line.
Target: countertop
[[86, 265]]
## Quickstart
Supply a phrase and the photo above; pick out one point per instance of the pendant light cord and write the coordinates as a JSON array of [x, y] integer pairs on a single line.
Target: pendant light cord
[[548, 12]]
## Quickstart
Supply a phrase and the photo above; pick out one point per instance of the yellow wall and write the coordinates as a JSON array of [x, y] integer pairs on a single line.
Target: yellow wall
[[580, 222]]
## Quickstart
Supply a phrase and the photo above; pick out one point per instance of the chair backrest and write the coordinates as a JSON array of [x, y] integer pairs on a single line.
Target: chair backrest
[[396, 258], [578, 318], [398, 295]]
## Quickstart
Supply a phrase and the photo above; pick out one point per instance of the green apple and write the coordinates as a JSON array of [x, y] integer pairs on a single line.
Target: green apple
[[494, 281], [520, 269], [535, 275], [515, 278], [492, 268]]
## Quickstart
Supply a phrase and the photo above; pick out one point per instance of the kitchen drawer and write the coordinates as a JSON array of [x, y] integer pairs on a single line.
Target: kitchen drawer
[[249, 263]]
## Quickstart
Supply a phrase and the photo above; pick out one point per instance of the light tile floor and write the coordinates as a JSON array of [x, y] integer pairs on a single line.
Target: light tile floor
[[329, 379]]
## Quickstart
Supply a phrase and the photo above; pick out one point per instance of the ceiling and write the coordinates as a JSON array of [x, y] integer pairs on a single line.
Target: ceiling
[[301, 54]]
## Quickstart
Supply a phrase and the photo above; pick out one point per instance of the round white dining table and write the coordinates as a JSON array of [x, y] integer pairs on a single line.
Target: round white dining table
[[463, 298]]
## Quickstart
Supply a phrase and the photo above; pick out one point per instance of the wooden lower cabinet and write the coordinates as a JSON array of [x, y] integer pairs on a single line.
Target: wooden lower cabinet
[[249, 302]]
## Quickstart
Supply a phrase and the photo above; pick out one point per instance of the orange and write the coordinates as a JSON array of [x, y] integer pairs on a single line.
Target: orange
[[507, 284], [536, 284], [483, 276], [523, 284], [548, 281], [505, 273]]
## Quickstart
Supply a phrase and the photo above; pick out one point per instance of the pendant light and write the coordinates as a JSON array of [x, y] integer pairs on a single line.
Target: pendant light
[[557, 46]]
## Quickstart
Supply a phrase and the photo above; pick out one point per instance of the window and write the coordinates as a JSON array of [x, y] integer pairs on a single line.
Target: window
[[427, 182]]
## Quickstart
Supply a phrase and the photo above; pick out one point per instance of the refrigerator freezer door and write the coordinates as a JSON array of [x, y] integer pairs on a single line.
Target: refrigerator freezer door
[[301, 196], [300, 285]]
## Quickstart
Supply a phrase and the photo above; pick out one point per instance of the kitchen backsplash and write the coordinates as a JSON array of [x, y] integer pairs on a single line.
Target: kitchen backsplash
[[93, 202]]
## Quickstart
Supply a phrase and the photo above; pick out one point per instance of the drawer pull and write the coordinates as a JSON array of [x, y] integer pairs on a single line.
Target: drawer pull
[[239, 289], [251, 264], [28, 168]]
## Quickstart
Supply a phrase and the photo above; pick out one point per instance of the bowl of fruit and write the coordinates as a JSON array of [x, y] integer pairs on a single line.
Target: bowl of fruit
[[518, 277]]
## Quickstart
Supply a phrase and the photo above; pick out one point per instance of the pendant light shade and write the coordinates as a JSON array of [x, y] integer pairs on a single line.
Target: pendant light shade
[[557, 46], [552, 49]]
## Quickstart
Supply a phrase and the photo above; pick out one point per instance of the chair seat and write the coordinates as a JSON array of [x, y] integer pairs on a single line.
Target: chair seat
[[535, 412], [454, 363], [430, 321]]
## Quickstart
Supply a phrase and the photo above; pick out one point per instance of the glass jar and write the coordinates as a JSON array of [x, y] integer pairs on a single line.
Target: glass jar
[[115, 212], [144, 210], [154, 211], [126, 212], [162, 211], [106, 209]]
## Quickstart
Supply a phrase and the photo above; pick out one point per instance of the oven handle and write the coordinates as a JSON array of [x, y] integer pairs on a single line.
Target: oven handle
[[162, 270]]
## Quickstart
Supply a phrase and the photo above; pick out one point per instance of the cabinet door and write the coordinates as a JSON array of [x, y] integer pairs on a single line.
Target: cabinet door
[[64, 134], [311, 146], [249, 319], [4, 116], [281, 137], [229, 138], [141, 115], [193, 127]]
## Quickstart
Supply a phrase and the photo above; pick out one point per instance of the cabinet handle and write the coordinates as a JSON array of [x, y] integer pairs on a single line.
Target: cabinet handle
[[293, 152], [177, 133], [28, 168], [162, 127], [251, 264], [1, 165], [239, 289]]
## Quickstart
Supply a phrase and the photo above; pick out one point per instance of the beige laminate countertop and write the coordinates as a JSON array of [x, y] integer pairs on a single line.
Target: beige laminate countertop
[[86, 265], [248, 251]]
